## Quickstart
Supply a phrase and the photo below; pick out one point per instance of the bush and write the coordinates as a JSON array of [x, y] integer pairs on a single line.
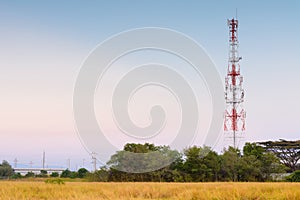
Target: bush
[[16, 176], [43, 173], [54, 174], [30, 174], [55, 181], [294, 177], [68, 174]]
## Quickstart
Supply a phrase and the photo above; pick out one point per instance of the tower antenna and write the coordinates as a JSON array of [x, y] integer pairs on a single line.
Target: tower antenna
[[234, 119]]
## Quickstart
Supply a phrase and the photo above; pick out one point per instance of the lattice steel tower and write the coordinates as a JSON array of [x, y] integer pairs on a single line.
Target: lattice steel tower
[[234, 119]]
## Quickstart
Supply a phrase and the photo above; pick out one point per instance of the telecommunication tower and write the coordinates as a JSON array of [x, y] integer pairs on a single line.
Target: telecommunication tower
[[234, 119]]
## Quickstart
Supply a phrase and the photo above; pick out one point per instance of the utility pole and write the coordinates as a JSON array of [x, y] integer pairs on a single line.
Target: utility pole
[[94, 161], [69, 163], [30, 164], [15, 162], [44, 159], [234, 119], [83, 160]]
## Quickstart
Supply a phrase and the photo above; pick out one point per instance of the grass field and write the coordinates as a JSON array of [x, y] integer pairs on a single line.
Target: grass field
[[19, 190]]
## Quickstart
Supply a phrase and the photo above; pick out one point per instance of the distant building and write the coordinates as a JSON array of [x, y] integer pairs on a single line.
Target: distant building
[[24, 171]]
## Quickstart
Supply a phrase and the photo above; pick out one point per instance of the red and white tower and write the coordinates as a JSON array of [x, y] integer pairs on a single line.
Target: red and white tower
[[234, 119]]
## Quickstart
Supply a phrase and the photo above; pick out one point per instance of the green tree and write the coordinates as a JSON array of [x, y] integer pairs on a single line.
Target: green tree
[[101, 175], [253, 149], [258, 164], [82, 172], [213, 162], [250, 168], [140, 148], [193, 165], [271, 164], [66, 174], [16, 176], [230, 163], [5, 169], [201, 164], [54, 174], [140, 158], [294, 177], [287, 151], [29, 174], [43, 173]]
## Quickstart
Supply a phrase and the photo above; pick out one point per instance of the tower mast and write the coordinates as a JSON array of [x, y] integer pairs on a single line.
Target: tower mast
[[234, 119]]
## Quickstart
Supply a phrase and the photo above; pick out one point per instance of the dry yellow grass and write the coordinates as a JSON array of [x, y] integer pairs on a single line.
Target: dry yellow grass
[[141, 191]]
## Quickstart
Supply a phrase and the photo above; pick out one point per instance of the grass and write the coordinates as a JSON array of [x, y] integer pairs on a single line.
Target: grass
[[21, 190]]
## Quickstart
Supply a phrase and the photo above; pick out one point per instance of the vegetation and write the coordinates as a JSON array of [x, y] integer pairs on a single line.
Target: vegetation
[[6, 170], [265, 161], [20, 190], [54, 174], [133, 158], [287, 151], [255, 162], [294, 177], [43, 173], [29, 174], [82, 172], [67, 174], [196, 164], [55, 181]]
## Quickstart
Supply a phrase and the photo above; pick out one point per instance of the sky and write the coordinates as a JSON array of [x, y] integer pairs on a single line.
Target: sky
[[44, 43]]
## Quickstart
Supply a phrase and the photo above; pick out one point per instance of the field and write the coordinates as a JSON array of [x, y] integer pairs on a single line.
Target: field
[[19, 190]]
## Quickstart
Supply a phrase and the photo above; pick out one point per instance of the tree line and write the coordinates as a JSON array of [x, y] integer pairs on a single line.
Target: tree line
[[255, 162]]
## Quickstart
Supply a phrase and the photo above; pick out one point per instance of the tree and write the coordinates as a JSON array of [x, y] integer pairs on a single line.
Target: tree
[[202, 164], [101, 175], [213, 162], [29, 174], [258, 164], [66, 174], [82, 172], [144, 162], [230, 164], [43, 173], [16, 176], [253, 149], [287, 151], [140, 148], [271, 164], [5, 169], [140, 158], [250, 168], [294, 177], [54, 174]]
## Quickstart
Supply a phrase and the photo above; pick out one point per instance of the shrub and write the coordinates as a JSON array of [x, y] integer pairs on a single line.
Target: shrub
[[29, 174], [55, 181], [54, 174], [294, 177], [16, 176]]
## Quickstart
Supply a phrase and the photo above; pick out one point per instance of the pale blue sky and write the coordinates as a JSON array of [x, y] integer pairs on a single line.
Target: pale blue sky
[[43, 43]]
